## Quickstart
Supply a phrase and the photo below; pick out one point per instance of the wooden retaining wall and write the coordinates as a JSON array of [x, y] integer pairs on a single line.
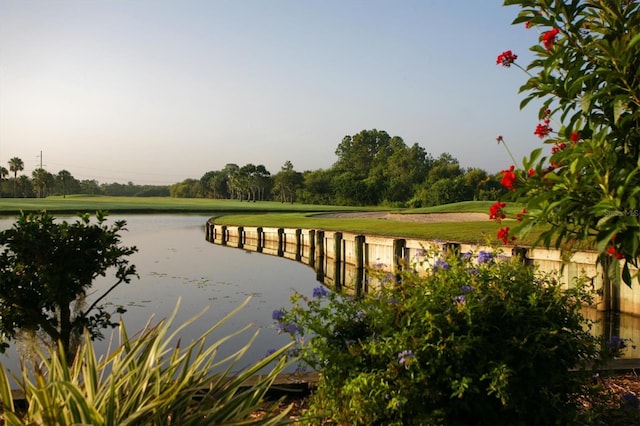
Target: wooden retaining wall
[[341, 259]]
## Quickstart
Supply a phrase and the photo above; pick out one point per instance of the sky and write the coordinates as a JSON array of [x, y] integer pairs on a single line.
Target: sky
[[156, 91]]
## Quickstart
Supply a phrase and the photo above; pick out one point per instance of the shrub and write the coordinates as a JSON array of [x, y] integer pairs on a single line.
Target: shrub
[[449, 340], [145, 381]]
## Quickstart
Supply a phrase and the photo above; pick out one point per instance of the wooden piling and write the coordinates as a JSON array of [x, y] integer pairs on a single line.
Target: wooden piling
[[337, 253]]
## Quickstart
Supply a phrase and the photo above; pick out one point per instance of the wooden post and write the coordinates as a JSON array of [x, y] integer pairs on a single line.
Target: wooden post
[[260, 237], [298, 244], [521, 253], [398, 256], [451, 248], [312, 248], [241, 236], [223, 231], [359, 249], [337, 260], [282, 242], [320, 256]]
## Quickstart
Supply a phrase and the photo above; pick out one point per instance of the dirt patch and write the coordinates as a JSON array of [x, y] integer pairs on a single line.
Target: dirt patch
[[413, 217]]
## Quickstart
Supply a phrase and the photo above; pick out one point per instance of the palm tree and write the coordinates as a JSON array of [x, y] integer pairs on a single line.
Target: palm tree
[[15, 165], [64, 176], [3, 174]]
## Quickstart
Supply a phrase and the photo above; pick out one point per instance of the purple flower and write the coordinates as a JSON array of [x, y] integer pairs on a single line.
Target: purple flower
[[405, 357], [441, 264], [466, 255], [617, 343], [360, 316], [485, 256], [320, 292], [630, 401], [466, 289], [277, 315], [269, 352], [460, 299], [289, 328]]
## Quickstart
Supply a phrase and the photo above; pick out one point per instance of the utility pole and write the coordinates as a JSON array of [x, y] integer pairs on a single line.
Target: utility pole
[[40, 158]]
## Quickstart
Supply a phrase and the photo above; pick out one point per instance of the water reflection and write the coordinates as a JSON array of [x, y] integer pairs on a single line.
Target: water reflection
[[175, 262]]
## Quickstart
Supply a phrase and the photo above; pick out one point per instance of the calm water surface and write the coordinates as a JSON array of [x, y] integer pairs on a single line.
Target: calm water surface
[[176, 263]]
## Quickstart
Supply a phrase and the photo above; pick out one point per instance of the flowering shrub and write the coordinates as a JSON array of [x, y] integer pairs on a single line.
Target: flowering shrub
[[476, 339], [586, 73]]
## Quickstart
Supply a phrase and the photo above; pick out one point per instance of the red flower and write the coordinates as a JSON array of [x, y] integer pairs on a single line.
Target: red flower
[[527, 25], [506, 58], [557, 147], [499, 139], [508, 178], [612, 251], [549, 38], [575, 137], [542, 130], [531, 172], [503, 234], [520, 215], [495, 211]]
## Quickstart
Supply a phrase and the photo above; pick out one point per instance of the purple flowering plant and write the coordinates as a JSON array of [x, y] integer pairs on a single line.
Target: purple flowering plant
[[475, 342]]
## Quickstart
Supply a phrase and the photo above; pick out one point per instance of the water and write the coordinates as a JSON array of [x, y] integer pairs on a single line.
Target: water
[[176, 263]]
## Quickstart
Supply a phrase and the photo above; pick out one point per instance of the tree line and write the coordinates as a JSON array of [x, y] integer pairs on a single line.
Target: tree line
[[43, 183], [372, 168]]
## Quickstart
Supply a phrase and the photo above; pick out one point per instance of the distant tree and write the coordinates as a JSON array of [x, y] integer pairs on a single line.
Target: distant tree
[[318, 187], [15, 165], [47, 268], [90, 186], [64, 179], [188, 188], [3, 174], [42, 181], [26, 186], [286, 182]]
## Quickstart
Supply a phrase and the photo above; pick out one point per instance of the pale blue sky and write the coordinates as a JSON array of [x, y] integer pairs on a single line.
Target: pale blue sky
[[158, 91]]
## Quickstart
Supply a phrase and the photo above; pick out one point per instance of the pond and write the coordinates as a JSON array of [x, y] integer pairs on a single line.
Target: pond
[[176, 263]]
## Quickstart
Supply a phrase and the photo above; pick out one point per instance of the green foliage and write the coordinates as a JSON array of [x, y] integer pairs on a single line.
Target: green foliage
[[585, 72], [146, 381], [47, 267], [471, 339]]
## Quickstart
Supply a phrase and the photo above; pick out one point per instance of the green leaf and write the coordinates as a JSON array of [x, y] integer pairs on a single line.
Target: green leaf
[[619, 106]]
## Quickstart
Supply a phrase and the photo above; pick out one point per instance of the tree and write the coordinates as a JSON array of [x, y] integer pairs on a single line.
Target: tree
[[42, 181], [15, 165], [585, 72], [47, 268], [65, 179], [3, 174], [286, 182]]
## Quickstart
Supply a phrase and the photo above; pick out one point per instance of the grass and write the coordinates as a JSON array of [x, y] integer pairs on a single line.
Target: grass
[[91, 203], [276, 214], [482, 232]]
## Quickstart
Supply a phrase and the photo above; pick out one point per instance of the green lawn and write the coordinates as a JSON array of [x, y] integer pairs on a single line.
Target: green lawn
[[84, 203], [276, 214]]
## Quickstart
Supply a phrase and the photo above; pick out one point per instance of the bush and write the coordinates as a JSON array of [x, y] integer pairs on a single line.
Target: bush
[[448, 340], [146, 381]]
